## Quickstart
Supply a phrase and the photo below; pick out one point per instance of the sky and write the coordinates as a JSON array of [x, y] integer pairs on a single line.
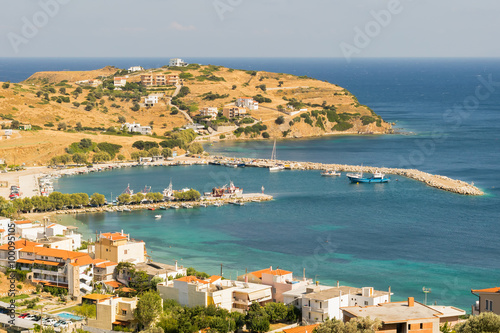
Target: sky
[[249, 28]]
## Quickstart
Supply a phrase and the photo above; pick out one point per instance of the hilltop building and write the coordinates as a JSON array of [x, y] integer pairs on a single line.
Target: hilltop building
[[247, 102], [177, 62]]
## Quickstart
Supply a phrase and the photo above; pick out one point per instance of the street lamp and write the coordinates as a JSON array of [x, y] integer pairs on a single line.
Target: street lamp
[[426, 291]]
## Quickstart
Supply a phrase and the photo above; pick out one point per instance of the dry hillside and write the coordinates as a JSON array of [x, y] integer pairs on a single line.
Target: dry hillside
[[48, 100]]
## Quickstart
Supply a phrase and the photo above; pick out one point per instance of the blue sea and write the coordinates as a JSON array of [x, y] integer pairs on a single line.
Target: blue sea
[[402, 234]]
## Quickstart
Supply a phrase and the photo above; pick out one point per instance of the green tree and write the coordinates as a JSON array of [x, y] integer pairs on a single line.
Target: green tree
[[86, 310], [124, 198], [195, 148], [166, 152], [148, 308], [280, 120], [6, 85], [101, 156], [154, 152], [484, 323], [79, 126], [257, 320], [121, 119], [276, 312], [62, 91], [136, 107], [79, 158], [121, 157], [137, 198], [97, 199], [265, 135]]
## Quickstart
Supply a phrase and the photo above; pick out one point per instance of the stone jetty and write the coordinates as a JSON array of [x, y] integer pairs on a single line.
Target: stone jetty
[[436, 181]]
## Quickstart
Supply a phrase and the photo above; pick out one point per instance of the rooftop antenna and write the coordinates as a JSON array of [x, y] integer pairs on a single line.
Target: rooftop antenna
[[425, 291]]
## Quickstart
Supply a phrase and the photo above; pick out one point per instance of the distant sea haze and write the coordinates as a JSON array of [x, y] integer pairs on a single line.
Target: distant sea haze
[[402, 234]]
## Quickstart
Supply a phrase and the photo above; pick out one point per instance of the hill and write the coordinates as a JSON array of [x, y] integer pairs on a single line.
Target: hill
[[61, 111]]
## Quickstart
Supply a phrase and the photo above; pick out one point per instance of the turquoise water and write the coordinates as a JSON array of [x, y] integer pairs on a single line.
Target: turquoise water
[[402, 234], [67, 315]]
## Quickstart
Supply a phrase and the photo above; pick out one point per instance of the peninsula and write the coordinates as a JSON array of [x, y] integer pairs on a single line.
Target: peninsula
[[47, 112]]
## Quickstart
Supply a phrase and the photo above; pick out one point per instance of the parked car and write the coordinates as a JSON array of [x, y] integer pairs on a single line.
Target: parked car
[[37, 318], [48, 322], [64, 324], [30, 317], [24, 315]]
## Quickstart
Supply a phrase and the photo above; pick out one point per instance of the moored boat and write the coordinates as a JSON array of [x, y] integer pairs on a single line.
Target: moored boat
[[377, 177], [330, 173]]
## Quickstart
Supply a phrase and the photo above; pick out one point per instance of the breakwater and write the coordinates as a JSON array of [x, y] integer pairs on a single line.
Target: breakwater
[[436, 181]]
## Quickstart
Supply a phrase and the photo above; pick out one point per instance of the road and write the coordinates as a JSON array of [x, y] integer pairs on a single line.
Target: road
[[184, 113]]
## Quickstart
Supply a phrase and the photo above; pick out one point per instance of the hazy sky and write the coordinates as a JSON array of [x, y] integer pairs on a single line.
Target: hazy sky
[[249, 28]]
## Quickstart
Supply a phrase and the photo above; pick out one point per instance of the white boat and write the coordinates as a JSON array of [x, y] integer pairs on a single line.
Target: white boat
[[127, 209], [157, 217], [330, 173], [276, 166], [203, 205], [255, 200], [218, 204], [175, 207], [239, 203], [168, 192], [187, 206]]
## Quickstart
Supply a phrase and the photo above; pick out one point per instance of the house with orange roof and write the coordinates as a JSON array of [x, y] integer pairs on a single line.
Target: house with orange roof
[[227, 294], [489, 300], [104, 270], [407, 316], [120, 81], [280, 280], [53, 267], [118, 247]]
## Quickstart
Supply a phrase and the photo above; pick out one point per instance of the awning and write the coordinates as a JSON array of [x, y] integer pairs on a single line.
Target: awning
[[259, 294], [121, 322], [24, 261], [49, 263]]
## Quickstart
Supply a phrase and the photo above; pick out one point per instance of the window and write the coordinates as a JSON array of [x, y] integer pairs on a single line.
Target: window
[[366, 302], [125, 251], [487, 304], [124, 312], [421, 325], [309, 315]]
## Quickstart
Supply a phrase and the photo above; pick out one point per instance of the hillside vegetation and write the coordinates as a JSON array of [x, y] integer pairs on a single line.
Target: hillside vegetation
[[62, 112]]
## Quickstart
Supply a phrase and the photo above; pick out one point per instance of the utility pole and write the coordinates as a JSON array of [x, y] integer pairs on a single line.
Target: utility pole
[[221, 270]]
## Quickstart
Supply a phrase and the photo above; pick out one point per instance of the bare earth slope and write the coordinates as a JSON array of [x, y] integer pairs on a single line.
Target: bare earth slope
[[47, 100]]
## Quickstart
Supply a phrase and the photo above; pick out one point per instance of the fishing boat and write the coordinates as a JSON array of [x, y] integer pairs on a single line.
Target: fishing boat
[[128, 190], [330, 173], [218, 204], [239, 203], [146, 190], [187, 206], [276, 166], [377, 177], [126, 209], [175, 207], [203, 205], [157, 217], [151, 208], [168, 192], [163, 208]]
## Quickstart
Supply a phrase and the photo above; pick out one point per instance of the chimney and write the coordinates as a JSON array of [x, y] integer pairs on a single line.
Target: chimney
[[271, 268], [304, 275], [389, 294], [317, 283], [338, 284], [246, 275], [176, 265], [411, 302]]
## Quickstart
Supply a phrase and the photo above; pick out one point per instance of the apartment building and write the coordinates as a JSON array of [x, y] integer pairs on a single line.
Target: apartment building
[[118, 247], [211, 112], [318, 304], [247, 102], [404, 317], [113, 312], [228, 294], [53, 267], [151, 80], [233, 112]]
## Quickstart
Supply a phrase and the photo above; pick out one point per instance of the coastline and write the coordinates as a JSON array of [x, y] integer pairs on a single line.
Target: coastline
[[30, 176]]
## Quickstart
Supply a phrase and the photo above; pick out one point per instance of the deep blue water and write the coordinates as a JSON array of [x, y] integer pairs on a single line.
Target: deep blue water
[[402, 234]]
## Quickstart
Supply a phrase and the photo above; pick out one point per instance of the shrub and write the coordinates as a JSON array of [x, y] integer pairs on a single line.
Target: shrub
[[265, 135], [280, 120], [6, 85], [342, 126]]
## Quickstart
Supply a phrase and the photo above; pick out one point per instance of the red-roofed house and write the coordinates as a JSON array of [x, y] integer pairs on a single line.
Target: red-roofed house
[[247, 102], [280, 280], [489, 300], [118, 247], [120, 81]]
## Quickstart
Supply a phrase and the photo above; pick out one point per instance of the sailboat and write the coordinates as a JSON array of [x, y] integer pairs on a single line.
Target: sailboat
[[276, 166]]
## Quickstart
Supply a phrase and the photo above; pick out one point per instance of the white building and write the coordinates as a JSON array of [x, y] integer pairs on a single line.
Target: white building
[[60, 231], [247, 102], [137, 128], [318, 304], [151, 100], [177, 62], [211, 112], [120, 81], [135, 69], [226, 294]]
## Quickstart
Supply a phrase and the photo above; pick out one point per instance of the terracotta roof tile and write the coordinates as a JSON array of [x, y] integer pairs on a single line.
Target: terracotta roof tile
[[301, 329], [487, 290], [278, 272]]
